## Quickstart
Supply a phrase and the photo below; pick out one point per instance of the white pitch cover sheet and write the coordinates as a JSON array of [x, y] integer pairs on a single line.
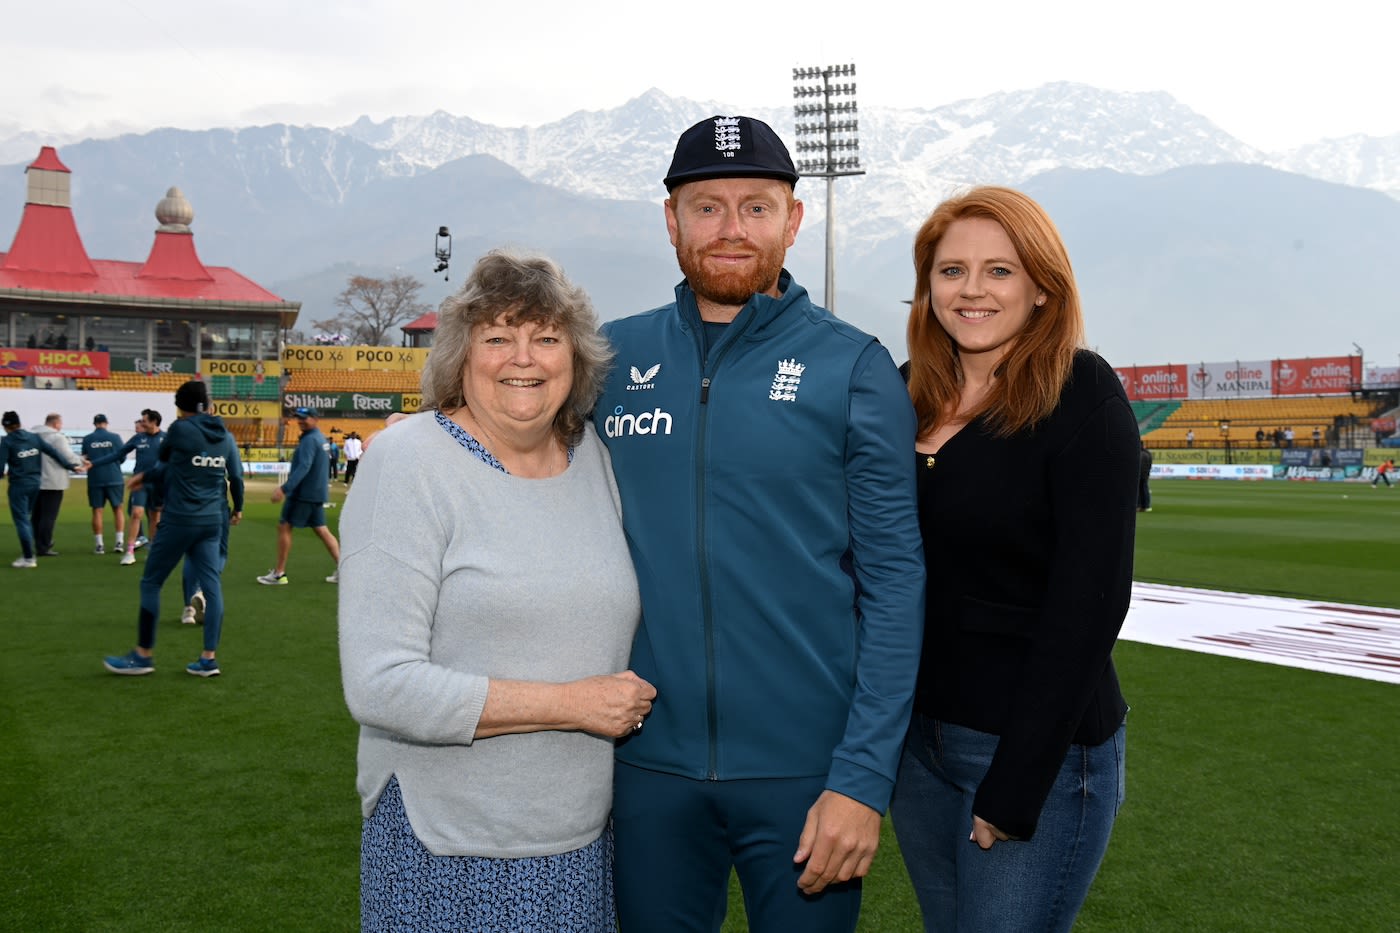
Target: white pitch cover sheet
[[1358, 641]]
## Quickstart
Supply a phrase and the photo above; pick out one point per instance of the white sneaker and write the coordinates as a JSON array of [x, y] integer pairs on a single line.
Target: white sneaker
[[187, 617], [25, 563], [128, 559], [273, 578], [334, 578], [140, 543], [197, 606]]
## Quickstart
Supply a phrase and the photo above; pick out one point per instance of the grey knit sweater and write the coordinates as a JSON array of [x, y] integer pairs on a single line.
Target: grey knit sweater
[[451, 573]]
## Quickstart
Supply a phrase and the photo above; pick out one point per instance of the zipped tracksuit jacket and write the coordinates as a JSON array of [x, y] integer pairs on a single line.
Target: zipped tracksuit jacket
[[769, 501], [21, 455], [147, 450], [97, 446], [145, 446], [309, 476]]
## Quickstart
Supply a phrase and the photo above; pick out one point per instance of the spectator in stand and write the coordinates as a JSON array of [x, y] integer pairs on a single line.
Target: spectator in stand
[[104, 483], [1317, 436], [1259, 438], [1013, 770], [305, 493], [53, 482], [354, 449], [20, 455], [1288, 437], [1190, 437]]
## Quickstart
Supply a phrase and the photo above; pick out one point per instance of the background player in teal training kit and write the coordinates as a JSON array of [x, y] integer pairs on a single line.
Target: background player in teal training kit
[[104, 482], [146, 444], [306, 490], [198, 468], [20, 454], [53, 483]]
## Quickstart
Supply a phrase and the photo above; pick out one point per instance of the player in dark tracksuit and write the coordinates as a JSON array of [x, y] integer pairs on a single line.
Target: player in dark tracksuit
[[21, 453], [198, 468], [306, 489], [146, 445], [105, 482]]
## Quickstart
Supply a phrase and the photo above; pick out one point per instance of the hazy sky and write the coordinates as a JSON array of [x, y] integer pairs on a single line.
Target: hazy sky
[[1275, 75]]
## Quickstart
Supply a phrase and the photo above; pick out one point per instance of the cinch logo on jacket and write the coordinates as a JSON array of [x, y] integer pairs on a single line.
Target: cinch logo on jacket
[[619, 424], [34, 452], [204, 460]]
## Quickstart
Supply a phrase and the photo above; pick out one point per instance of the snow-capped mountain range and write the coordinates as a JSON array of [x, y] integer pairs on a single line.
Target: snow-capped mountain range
[[1009, 136], [300, 208]]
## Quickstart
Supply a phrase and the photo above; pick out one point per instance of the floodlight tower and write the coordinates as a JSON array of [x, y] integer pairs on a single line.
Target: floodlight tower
[[828, 142]]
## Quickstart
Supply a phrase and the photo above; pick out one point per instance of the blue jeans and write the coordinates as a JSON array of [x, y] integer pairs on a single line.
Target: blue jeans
[[1035, 885]]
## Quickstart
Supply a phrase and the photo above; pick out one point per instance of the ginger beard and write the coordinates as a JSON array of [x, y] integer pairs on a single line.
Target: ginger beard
[[730, 286]]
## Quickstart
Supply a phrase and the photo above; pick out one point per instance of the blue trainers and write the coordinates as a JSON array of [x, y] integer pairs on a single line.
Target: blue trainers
[[130, 663], [204, 667]]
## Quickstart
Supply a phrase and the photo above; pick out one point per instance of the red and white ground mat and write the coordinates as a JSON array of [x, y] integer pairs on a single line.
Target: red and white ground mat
[[1359, 641]]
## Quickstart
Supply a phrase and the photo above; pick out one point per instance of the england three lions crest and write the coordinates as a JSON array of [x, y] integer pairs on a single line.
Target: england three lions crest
[[787, 381]]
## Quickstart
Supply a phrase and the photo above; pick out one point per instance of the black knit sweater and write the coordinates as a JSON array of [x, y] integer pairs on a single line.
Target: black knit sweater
[[1029, 546]]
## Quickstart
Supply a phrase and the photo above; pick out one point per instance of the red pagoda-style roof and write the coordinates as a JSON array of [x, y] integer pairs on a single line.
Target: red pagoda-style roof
[[47, 241], [48, 259], [48, 161], [112, 278]]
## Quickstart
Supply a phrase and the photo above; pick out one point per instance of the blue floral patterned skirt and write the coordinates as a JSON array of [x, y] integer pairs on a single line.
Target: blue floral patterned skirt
[[404, 887]]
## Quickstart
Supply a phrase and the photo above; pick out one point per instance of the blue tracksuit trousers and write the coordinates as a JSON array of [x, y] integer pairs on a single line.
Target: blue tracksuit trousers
[[21, 509], [199, 546]]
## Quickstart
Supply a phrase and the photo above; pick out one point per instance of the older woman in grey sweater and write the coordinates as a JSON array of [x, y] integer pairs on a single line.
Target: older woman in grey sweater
[[487, 607]]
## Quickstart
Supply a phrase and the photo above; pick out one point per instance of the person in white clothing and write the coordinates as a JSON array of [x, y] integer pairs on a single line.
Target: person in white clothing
[[354, 449]]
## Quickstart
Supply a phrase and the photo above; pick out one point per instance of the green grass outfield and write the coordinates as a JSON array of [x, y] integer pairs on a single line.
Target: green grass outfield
[[1259, 797]]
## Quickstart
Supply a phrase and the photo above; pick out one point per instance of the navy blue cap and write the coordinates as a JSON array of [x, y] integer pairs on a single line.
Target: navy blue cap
[[307, 413], [10, 419], [730, 147], [99, 419]]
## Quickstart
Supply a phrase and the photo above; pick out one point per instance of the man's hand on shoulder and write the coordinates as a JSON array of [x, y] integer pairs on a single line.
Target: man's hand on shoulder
[[838, 841]]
